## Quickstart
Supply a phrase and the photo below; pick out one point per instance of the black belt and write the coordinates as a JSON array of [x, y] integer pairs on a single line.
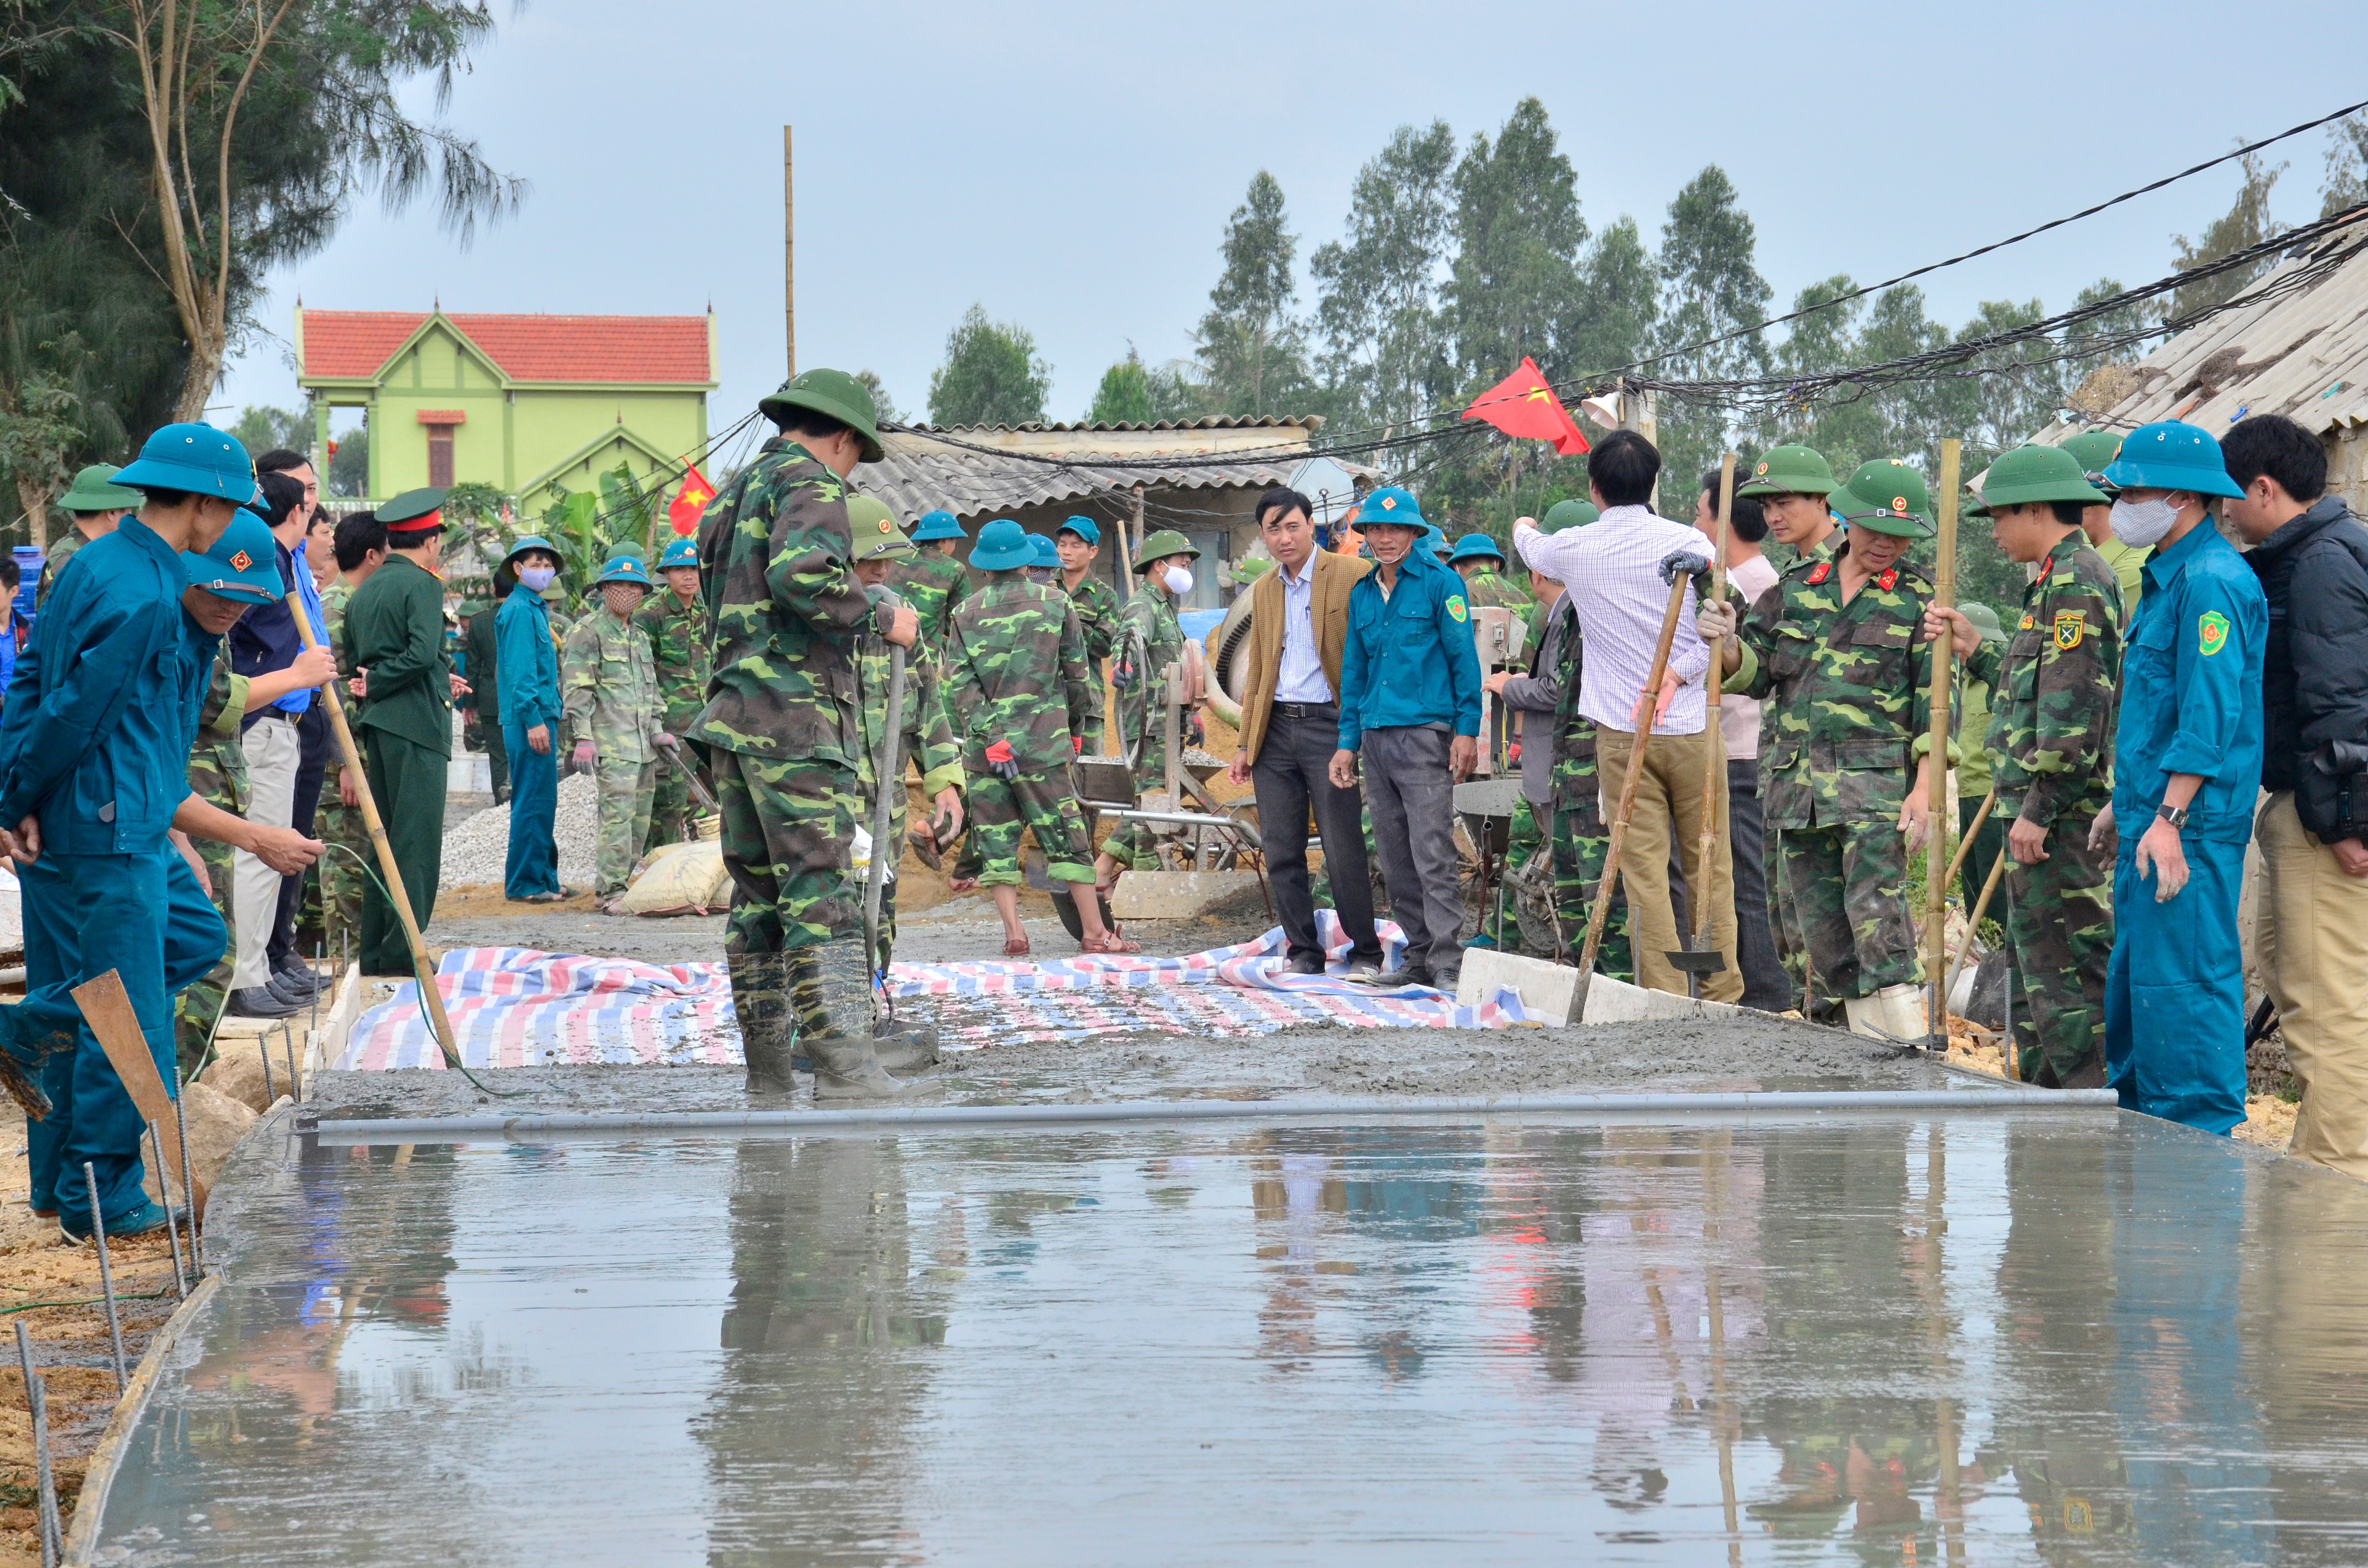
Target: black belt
[[1309, 710]]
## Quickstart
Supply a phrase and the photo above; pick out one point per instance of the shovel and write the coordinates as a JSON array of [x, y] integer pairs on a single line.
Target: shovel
[[699, 792], [1699, 959]]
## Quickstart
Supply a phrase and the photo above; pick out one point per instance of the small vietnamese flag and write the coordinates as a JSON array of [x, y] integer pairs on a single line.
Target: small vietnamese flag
[[1522, 404], [690, 500]]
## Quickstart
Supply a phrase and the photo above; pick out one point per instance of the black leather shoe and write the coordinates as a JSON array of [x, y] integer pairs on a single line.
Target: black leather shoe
[[1399, 978], [258, 1002]]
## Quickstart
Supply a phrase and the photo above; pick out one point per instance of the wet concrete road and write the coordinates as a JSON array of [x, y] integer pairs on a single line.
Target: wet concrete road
[[2043, 1336]]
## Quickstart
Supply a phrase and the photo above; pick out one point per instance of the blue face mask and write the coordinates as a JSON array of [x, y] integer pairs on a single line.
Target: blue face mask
[[535, 579]]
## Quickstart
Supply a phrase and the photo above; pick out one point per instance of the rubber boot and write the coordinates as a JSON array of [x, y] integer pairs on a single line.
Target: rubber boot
[[1905, 1015], [845, 1066], [1865, 1015], [760, 998], [905, 1046]]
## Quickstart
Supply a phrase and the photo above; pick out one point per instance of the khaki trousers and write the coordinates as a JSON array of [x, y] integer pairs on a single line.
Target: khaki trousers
[[1670, 798], [2311, 932]]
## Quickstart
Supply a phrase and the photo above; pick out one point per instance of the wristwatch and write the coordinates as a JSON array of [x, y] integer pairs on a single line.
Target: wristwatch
[[2175, 815]]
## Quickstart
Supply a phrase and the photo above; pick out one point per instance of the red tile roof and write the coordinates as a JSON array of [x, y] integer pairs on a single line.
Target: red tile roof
[[354, 344]]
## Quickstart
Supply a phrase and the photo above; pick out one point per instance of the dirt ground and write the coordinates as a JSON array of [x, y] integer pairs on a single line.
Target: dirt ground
[[71, 1347]]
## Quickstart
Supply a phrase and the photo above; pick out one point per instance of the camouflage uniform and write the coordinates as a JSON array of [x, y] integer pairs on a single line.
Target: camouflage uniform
[[1488, 586], [1848, 695], [784, 611], [1150, 638], [1012, 646], [929, 742], [1098, 613], [218, 777], [338, 886], [609, 684], [933, 584], [61, 550], [677, 634], [2052, 735], [1581, 840]]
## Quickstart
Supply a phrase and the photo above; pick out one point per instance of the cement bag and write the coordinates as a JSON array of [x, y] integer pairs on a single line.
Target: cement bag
[[680, 878]]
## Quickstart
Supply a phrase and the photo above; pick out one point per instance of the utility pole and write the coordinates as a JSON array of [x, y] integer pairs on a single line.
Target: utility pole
[[789, 253]]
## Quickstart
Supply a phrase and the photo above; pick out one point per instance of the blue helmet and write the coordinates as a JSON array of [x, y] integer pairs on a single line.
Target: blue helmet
[[1047, 553], [1084, 527], [2169, 455], [624, 567], [1477, 547], [1002, 545], [196, 458], [1390, 507], [940, 524], [243, 565], [681, 552]]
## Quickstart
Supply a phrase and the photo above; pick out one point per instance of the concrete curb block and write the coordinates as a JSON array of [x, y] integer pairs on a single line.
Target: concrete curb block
[[90, 1506], [960, 1119]]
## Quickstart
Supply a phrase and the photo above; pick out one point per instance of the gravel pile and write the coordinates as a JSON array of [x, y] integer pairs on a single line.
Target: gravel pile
[[476, 851]]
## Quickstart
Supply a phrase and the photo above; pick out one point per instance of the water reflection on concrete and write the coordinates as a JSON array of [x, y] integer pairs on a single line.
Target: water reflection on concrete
[[2043, 1338]]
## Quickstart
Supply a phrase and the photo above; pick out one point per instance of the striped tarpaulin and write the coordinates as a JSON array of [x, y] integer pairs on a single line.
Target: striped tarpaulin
[[517, 1007]]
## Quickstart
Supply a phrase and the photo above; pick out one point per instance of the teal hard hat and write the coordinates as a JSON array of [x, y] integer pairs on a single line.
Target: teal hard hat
[[681, 552], [1084, 527], [1390, 507], [243, 565], [2170, 455], [533, 541], [834, 394], [1477, 547], [1047, 553], [937, 525], [196, 458], [1002, 547], [624, 567]]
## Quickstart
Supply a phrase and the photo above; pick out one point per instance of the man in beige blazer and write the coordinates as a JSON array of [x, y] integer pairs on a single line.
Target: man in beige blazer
[[1290, 726]]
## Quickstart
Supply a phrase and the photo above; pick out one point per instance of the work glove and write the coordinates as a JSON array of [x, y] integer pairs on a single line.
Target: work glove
[[1076, 745], [1682, 563], [1196, 733], [1716, 622], [1000, 762], [1513, 751], [1123, 675]]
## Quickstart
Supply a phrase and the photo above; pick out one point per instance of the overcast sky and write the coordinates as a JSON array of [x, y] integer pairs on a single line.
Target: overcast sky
[[1071, 168]]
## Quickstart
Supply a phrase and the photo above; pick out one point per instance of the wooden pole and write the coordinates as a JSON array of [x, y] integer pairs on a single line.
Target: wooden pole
[[1642, 722], [430, 996], [788, 254], [1973, 920], [107, 1007], [1936, 845], [1715, 751], [789, 257], [1973, 829]]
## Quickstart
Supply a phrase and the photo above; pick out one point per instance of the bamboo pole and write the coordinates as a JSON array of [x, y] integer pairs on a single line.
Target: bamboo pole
[[1936, 847], [352, 754], [1973, 831], [1714, 750]]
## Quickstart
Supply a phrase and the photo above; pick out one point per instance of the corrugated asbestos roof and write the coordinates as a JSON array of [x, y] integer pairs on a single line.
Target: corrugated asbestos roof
[[919, 475], [2304, 355]]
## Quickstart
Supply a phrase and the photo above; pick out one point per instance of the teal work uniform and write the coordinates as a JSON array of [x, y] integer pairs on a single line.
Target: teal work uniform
[[526, 659], [2191, 703], [95, 745], [394, 631]]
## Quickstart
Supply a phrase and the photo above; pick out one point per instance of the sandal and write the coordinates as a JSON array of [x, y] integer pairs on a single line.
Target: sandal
[[961, 884], [1111, 942], [562, 896], [1016, 947]]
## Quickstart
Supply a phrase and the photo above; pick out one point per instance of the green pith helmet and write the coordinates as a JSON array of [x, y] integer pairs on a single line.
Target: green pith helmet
[[1790, 471], [91, 493], [1162, 545], [1886, 496], [1984, 619], [1571, 514], [868, 520], [890, 546], [2030, 474], [533, 541], [834, 394], [2095, 452]]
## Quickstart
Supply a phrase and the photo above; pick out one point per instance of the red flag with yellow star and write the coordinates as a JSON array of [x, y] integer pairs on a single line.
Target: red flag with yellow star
[[1522, 404], [690, 500]]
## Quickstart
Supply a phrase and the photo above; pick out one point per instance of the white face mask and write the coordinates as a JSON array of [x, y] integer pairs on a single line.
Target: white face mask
[[1179, 581], [2143, 522], [537, 578]]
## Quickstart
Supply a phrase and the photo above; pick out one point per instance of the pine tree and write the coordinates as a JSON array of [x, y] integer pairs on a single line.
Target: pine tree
[[993, 375]]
